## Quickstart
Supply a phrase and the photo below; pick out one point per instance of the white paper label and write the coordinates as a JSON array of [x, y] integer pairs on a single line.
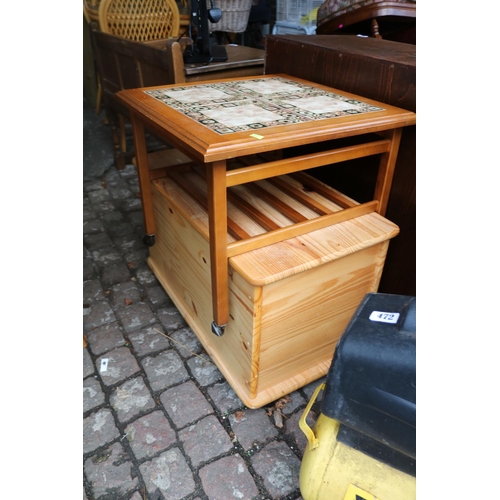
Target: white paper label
[[384, 317], [104, 364]]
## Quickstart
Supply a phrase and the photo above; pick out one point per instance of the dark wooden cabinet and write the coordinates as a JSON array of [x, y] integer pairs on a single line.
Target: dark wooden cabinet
[[378, 69]]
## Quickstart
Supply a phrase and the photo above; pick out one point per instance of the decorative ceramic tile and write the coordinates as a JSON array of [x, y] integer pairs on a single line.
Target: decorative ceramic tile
[[237, 106]]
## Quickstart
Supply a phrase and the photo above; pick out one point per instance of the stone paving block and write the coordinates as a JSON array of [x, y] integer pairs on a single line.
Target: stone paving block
[[296, 400], [131, 205], [252, 427], [171, 319], [158, 297], [150, 435], [131, 399], [92, 394], [135, 257], [164, 370], [204, 370], [114, 274], [99, 313], [112, 218], [104, 207], [98, 195], [111, 176], [185, 404], [98, 429], [128, 242], [92, 226], [92, 185], [89, 271], [187, 343], [110, 473], [88, 366], [169, 474], [121, 365], [96, 241], [279, 468], [129, 172], [205, 440], [105, 256], [228, 478], [124, 295], [120, 191], [105, 338], [88, 211], [92, 291], [145, 276], [149, 340], [120, 229], [224, 398], [136, 316], [136, 219]]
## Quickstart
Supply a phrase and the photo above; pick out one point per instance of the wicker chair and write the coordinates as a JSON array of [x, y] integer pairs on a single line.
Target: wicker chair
[[91, 10], [140, 20]]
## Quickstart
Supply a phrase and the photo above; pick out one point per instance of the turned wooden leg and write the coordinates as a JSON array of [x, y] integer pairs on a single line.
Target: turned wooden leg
[[375, 31]]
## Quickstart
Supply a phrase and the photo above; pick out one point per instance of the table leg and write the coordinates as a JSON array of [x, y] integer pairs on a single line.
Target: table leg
[[386, 170], [141, 158], [217, 221]]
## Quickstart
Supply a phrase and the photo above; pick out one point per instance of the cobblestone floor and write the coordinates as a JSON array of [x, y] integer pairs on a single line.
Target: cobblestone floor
[[159, 419]]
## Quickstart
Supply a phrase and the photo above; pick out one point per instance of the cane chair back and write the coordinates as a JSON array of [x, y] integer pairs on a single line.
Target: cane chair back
[[139, 20]]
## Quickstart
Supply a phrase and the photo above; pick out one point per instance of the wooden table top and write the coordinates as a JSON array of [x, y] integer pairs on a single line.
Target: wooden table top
[[238, 56], [222, 119]]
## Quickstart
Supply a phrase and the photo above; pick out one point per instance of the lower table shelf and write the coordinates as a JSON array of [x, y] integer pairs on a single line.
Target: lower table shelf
[[289, 302]]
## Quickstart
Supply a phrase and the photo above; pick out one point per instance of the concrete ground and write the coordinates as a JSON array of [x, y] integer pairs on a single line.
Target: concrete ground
[[159, 419]]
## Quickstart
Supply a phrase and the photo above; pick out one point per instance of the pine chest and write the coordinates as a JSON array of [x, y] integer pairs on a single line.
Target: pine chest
[[289, 302]]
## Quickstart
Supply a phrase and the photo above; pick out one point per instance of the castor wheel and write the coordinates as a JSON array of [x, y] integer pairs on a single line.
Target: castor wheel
[[218, 329], [149, 240]]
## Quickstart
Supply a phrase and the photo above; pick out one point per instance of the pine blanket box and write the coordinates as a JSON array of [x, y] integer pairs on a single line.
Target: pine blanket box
[[288, 302]]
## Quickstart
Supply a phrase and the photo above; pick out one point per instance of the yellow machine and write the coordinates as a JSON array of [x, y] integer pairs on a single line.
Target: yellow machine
[[363, 444]]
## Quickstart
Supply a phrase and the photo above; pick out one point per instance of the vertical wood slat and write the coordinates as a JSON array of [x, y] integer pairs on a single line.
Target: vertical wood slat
[[217, 217], [141, 155], [386, 170]]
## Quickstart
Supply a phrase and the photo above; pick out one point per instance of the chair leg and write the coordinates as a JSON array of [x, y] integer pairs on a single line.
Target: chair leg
[[123, 136], [114, 122], [99, 95]]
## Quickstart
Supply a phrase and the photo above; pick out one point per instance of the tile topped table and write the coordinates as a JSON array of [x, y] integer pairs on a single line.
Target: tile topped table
[[216, 121]]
